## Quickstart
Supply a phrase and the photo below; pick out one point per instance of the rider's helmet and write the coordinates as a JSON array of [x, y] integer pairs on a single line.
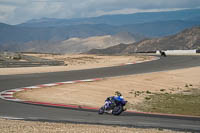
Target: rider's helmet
[[117, 93]]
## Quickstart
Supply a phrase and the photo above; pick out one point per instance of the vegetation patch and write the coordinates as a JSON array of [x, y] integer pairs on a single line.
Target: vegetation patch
[[184, 103]]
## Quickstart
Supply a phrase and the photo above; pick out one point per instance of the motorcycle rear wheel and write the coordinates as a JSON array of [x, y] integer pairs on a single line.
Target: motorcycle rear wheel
[[117, 110]]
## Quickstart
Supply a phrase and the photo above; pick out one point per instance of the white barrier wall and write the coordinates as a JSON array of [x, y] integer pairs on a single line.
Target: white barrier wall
[[177, 52]]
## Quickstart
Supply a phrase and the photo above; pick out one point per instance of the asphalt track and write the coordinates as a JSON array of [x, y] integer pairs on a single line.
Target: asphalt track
[[44, 113]]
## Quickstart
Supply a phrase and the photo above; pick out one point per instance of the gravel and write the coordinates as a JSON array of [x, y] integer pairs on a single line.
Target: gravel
[[20, 126]]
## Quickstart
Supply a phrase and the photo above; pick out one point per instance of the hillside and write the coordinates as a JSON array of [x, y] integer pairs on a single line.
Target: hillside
[[187, 39], [79, 45]]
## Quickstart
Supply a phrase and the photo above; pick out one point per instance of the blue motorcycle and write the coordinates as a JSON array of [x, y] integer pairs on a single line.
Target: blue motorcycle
[[113, 106]]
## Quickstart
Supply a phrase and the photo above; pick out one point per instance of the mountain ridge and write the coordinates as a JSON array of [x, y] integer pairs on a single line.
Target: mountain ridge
[[117, 19], [185, 40]]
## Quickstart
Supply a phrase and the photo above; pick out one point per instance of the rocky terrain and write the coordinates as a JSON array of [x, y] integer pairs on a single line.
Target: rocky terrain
[[187, 39]]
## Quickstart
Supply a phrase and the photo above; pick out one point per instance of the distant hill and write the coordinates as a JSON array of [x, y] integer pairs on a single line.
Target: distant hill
[[187, 39], [120, 19], [14, 38], [17, 34], [79, 45]]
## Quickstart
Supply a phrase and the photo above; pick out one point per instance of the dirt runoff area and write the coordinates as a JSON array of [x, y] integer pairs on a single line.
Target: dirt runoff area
[[16, 126], [135, 88], [75, 62]]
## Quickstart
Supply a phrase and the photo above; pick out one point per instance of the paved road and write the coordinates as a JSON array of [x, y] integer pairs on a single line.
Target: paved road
[[33, 112]]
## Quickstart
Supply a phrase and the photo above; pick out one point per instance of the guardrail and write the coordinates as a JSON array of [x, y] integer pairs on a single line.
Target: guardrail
[[10, 64]]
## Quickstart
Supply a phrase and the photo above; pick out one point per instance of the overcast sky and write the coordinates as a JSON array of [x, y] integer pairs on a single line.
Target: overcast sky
[[18, 11]]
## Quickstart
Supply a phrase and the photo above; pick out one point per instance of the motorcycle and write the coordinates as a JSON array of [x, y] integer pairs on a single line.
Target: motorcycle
[[113, 106]]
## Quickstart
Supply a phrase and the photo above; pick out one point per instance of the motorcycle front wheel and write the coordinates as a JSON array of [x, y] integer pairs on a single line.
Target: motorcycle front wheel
[[101, 110]]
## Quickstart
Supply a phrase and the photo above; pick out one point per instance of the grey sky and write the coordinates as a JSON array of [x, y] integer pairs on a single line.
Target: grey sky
[[17, 11]]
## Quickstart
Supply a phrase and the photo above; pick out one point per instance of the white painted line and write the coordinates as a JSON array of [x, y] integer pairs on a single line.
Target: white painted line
[[141, 61], [3, 98], [16, 90], [129, 63], [9, 93], [11, 118], [3, 92], [15, 100], [68, 82], [32, 87], [88, 80], [51, 84]]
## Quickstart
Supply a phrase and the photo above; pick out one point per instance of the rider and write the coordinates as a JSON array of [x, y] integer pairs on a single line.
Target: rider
[[118, 97], [111, 101]]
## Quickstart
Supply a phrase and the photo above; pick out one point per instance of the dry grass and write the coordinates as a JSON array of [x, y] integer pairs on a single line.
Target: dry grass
[[17, 126]]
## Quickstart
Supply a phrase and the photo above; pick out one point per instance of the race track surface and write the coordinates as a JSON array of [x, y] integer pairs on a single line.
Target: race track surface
[[43, 113]]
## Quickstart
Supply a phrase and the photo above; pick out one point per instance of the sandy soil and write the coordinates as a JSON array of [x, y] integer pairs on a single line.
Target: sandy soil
[[16, 126], [74, 62], [135, 88]]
